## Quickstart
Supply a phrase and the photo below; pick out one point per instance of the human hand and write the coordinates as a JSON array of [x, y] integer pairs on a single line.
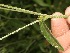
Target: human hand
[[61, 30]]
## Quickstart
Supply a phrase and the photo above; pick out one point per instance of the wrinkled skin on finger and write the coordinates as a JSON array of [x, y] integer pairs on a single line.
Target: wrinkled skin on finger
[[60, 30]]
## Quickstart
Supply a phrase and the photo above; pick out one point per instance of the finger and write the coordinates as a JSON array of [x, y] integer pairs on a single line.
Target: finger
[[67, 12], [58, 25]]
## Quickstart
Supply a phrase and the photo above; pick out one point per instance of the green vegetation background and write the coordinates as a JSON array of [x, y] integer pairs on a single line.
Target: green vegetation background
[[30, 39]]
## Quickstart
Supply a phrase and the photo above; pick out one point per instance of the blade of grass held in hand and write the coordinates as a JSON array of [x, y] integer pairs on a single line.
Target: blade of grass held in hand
[[48, 35]]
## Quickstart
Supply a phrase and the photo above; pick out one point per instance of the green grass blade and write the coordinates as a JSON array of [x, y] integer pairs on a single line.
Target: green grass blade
[[49, 37]]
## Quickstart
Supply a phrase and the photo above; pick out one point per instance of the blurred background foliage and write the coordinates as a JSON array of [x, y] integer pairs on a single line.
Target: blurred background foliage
[[29, 40]]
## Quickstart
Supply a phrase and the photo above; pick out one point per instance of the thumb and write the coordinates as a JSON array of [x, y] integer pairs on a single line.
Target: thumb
[[58, 25]]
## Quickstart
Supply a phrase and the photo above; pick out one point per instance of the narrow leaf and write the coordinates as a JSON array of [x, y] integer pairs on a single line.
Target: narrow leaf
[[48, 35]]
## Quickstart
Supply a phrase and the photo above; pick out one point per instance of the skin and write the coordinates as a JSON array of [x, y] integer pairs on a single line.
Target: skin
[[60, 28]]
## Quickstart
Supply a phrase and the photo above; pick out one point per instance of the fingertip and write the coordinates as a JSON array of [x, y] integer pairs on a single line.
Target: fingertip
[[67, 11], [56, 13]]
